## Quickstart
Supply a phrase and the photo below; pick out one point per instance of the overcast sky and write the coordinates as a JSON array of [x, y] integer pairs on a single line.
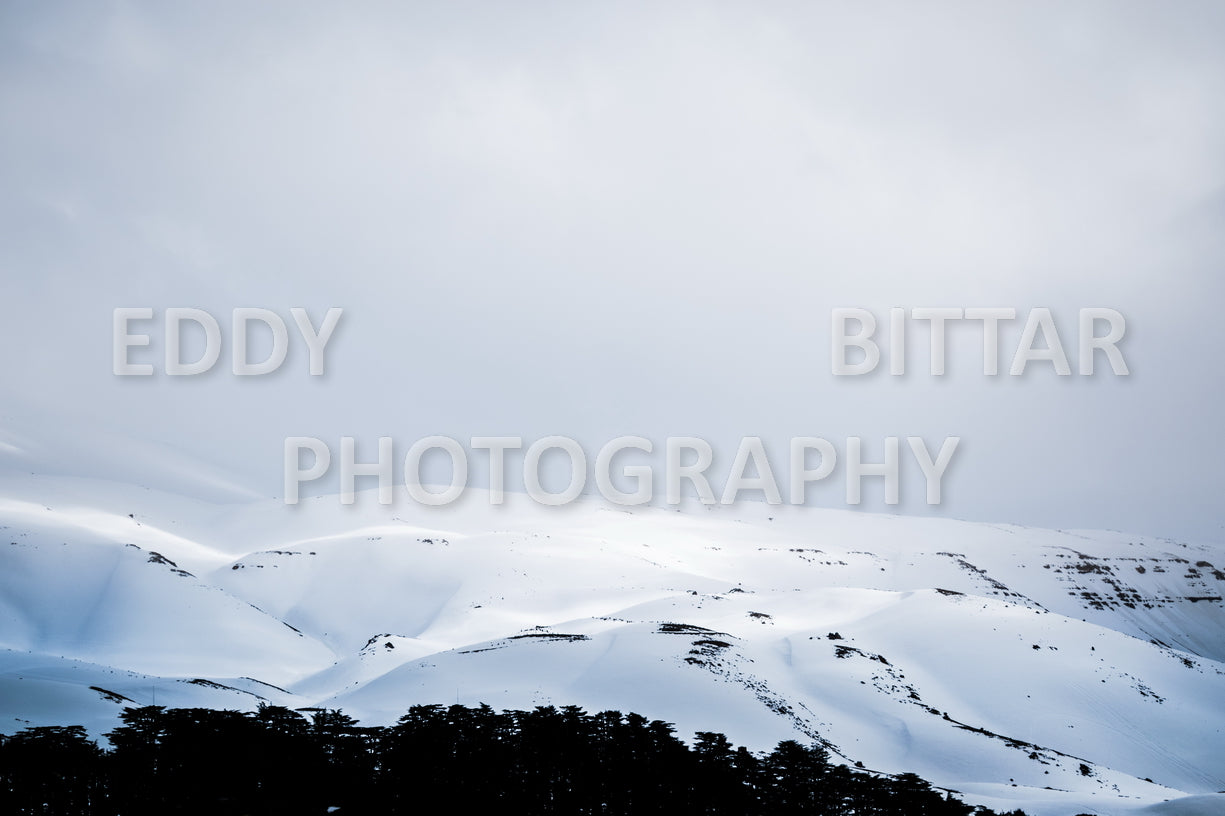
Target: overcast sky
[[607, 219]]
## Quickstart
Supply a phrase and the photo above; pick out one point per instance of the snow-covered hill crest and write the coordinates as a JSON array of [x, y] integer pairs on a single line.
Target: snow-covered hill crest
[[1058, 671]]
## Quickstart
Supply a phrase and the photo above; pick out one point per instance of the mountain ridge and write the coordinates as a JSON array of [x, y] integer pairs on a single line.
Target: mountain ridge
[[979, 656]]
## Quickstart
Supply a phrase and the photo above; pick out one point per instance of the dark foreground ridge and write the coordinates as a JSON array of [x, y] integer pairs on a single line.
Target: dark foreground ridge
[[470, 760]]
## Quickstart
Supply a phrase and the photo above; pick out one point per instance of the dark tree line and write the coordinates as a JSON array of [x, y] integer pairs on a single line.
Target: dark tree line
[[546, 761]]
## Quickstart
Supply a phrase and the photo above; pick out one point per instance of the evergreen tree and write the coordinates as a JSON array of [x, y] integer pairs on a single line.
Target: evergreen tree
[[545, 761], [51, 770]]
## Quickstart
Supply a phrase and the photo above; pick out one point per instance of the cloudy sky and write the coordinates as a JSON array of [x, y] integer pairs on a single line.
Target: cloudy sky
[[607, 219]]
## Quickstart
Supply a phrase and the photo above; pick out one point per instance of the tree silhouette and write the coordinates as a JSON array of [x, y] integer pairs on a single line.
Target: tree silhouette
[[545, 761]]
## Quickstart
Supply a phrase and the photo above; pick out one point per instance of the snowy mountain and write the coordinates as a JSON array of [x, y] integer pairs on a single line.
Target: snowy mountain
[[1058, 671]]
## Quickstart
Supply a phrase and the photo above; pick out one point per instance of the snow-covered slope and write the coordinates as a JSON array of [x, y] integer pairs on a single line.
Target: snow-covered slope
[[1062, 672]]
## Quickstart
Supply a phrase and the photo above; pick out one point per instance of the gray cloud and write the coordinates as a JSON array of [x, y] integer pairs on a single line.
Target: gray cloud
[[572, 219]]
